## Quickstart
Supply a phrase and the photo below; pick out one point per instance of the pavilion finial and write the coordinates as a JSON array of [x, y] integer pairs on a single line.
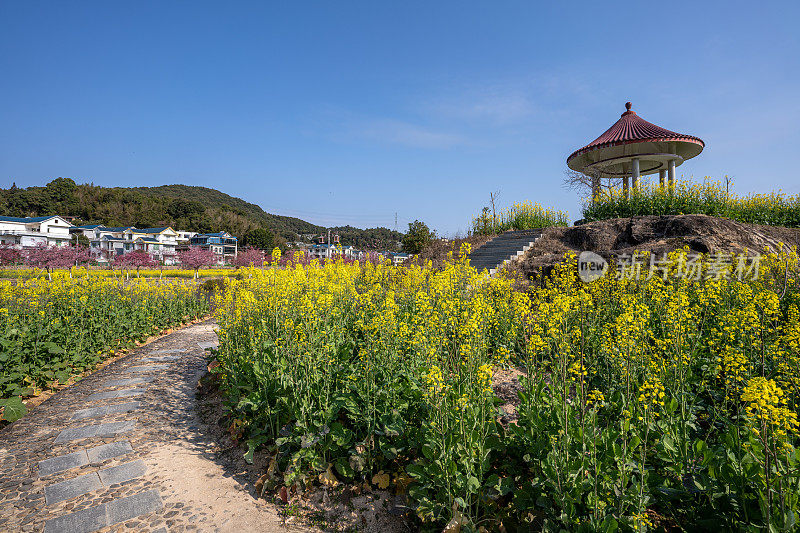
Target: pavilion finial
[[628, 106]]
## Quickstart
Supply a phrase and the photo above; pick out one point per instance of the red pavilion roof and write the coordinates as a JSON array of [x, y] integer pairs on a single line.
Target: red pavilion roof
[[631, 128]]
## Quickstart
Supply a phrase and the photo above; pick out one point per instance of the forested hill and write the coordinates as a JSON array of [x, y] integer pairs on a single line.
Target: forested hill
[[183, 207]]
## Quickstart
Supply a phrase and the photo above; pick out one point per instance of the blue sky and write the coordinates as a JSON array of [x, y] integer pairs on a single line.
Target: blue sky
[[350, 112]]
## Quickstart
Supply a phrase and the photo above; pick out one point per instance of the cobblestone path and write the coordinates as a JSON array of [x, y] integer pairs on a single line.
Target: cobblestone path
[[92, 457]]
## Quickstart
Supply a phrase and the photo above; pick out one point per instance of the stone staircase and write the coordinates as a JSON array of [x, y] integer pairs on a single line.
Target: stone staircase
[[504, 248]]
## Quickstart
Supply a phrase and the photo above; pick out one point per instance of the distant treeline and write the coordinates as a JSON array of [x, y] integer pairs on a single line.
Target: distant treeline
[[185, 207]]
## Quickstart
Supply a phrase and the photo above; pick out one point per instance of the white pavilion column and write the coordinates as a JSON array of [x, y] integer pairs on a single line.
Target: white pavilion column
[[662, 175], [635, 172], [671, 173]]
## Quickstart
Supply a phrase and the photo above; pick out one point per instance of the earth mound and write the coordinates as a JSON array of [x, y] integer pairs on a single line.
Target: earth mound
[[656, 234]]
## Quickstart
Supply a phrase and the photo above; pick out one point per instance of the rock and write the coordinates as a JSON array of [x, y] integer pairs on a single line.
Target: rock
[[656, 234]]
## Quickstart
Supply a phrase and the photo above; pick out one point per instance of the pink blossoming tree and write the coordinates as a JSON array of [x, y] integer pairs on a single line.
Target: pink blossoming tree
[[197, 258], [82, 255], [50, 257], [249, 257], [9, 255], [135, 259]]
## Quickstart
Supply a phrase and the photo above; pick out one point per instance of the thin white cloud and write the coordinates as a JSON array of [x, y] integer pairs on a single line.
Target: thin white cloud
[[468, 113], [495, 107], [405, 133], [347, 126], [512, 102]]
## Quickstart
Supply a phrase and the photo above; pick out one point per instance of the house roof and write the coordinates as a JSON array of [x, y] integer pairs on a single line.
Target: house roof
[[117, 229], [152, 230], [224, 234], [26, 220], [148, 239], [631, 128], [89, 226]]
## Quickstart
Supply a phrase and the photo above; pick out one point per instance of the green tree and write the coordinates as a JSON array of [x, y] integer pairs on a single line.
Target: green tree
[[180, 208], [417, 237], [59, 197], [79, 239], [61, 187], [259, 238]]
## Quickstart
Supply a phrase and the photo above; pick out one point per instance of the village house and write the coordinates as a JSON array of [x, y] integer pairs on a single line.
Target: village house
[[160, 243], [185, 236], [28, 232], [105, 243], [327, 251], [108, 242], [399, 258], [223, 244]]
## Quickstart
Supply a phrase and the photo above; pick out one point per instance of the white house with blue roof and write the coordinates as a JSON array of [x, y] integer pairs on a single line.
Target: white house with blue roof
[[109, 242], [160, 243], [105, 242], [224, 245], [28, 232]]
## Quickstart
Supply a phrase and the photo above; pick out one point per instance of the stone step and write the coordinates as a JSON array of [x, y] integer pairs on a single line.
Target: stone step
[[93, 481], [492, 263], [492, 257], [503, 248], [54, 465], [500, 250], [506, 242], [105, 410], [495, 250], [517, 234], [108, 429], [120, 393], [127, 381], [106, 514]]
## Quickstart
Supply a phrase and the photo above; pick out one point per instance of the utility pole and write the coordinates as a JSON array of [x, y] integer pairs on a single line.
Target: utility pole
[[395, 220], [493, 196], [328, 253]]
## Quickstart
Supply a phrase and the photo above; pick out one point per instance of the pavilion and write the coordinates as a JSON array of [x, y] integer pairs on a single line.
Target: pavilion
[[631, 148]]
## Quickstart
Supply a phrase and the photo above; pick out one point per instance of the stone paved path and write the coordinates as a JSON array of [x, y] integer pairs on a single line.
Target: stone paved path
[[123, 449]]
